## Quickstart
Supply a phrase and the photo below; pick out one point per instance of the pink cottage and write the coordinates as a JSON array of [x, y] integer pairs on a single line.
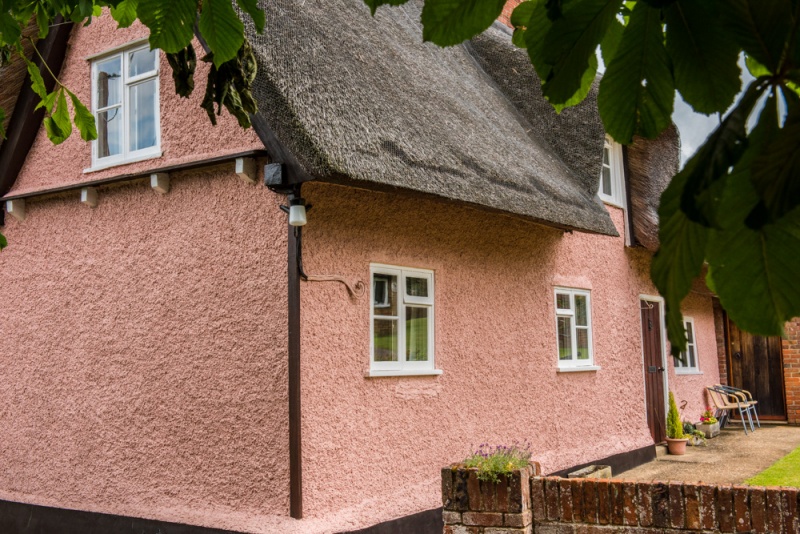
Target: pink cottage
[[175, 357]]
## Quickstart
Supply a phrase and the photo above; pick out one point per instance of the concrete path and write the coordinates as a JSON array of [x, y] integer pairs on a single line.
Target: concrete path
[[730, 458]]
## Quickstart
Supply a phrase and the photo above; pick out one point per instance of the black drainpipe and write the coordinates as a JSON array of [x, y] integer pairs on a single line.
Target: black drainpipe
[[295, 437]]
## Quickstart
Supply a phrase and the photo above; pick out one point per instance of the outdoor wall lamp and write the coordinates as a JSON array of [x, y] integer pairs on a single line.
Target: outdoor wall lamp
[[297, 211]]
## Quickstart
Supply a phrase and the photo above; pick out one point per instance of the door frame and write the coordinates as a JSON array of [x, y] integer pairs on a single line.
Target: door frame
[[659, 301]]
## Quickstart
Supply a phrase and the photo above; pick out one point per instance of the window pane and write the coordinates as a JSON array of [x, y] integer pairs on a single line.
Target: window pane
[[416, 334], [143, 115], [109, 133], [562, 301], [564, 338], [692, 362], [141, 61], [606, 155], [416, 287], [385, 340], [109, 82], [677, 361], [384, 294], [605, 186], [582, 336], [689, 332], [580, 311]]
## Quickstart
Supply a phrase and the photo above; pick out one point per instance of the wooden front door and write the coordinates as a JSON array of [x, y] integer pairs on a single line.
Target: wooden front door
[[755, 363], [653, 347]]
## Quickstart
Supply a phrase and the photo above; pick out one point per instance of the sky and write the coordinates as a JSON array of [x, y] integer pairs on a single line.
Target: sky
[[695, 127]]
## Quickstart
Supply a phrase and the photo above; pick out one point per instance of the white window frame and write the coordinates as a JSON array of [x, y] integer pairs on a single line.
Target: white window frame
[[682, 368], [617, 196], [127, 155], [574, 363], [402, 367]]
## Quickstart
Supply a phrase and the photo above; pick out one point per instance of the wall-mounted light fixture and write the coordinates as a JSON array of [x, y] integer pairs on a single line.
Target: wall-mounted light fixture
[[297, 212], [89, 196]]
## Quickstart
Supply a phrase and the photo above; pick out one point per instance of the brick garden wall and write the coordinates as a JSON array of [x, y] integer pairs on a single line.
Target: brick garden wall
[[791, 370], [553, 505]]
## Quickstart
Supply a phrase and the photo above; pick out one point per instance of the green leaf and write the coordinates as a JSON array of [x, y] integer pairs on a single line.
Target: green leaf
[[256, 13], [610, 43], [84, 119], [42, 21], [125, 12], [583, 90], [562, 51], [710, 165], [776, 169], [48, 101], [221, 28], [37, 82], [679, 259], [9, 29], [704, 57], [760, 27], [755, 68], [375, 4], [171, 22], [637, 91], [522, 14], [450, 22], [755, 271], [58, 125], [3, 242]]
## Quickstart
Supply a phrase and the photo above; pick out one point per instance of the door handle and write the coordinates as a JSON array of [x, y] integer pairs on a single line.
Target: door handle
[[738, 355], [660, 369]]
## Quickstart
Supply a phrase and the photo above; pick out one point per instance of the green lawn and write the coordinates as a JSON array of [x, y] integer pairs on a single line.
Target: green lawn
[[784, 472]]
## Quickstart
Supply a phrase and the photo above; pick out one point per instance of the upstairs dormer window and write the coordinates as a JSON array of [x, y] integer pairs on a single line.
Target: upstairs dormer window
[[126, 106], [612, 176]]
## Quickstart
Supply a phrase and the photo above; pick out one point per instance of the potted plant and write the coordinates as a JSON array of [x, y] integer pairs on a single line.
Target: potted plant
[[708, 424], [676, 441]]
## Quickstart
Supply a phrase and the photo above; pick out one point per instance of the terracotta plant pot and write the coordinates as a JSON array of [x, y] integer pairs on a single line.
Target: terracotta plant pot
[[677, 446]]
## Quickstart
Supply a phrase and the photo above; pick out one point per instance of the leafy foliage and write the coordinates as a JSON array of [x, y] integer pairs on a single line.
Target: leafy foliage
[[493, 461], [674, 424]]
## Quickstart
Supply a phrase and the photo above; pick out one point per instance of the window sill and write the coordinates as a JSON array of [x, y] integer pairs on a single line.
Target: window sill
[[581, 369], [402, 372], [688, 372], [119, 163]]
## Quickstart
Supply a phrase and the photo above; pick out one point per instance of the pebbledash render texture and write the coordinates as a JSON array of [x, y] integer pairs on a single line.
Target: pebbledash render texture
[[553, 505]]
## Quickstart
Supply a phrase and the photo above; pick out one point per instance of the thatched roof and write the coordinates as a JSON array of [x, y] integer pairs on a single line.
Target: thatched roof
[[364, 101], [651, 164], [13, 74]]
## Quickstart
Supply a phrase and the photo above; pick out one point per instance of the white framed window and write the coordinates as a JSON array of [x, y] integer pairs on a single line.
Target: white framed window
[[612, 174], [401, 321], [687, 363], [574, 328], [125, 101]]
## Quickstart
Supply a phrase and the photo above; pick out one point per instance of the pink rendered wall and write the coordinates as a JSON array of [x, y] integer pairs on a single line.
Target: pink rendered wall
[[186, 133], [372, 446], [143, 347], [144, 354]]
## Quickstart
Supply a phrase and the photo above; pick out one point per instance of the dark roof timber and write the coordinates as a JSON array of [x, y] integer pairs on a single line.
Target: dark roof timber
[[26, 120]]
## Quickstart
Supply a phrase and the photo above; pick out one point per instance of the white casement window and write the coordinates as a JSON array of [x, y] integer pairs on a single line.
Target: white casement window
[[401, 321], [687, 363], [126, 106], [612, 175], [574, 328]]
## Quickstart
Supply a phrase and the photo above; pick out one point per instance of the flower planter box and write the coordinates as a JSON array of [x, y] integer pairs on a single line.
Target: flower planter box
[[469, 502], [710, 431]]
